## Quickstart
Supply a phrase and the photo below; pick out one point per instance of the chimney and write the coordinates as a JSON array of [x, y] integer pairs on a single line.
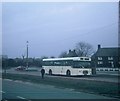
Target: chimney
[[69, 50], [74, 50], [99, 46]]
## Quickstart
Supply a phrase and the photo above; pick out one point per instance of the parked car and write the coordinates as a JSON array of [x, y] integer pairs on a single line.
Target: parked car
[[31, 69], [21, 68]]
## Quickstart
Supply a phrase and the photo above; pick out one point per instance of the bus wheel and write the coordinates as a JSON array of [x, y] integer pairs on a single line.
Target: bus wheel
[[85, 72], [68, 73], [50, 72]]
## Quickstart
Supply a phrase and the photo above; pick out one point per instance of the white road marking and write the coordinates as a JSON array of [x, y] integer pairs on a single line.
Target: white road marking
[[21, 97], [2, 91], [69, 89], [8, 79], [18, 81]]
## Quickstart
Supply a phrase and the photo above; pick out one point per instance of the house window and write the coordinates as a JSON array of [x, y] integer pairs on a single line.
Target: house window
[[110, 58], [99, 58], [100, 62], [111, 63]]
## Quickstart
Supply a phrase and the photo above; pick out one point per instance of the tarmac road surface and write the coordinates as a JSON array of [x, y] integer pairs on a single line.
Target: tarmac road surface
[[25, 90]]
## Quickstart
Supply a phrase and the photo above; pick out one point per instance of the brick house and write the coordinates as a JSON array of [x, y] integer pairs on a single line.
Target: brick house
[[106, 59]]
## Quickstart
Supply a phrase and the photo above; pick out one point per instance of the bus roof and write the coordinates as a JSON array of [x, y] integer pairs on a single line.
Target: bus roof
[[69, 58]]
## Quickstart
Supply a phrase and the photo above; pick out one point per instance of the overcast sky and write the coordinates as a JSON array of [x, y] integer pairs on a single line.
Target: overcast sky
[[52, 28]]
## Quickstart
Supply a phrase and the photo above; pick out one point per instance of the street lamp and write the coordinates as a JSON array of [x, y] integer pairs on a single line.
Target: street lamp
[[27, 55]]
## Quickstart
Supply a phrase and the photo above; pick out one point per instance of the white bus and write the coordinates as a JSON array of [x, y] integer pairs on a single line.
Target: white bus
[[69, 66]]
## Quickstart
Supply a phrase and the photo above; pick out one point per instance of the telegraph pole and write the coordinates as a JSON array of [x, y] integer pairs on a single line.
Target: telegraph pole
[[27, 55]]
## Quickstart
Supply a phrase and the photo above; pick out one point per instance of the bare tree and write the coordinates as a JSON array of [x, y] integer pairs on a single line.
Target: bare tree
[[63, 54], [44, 57], [52, 57], [84, 49]]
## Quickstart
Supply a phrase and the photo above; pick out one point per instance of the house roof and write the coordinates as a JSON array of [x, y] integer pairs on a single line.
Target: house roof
[[72, 54], [108, 52]]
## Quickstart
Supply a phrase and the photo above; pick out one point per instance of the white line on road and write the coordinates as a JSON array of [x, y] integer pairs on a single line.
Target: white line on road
[[18, 81], [2, 91], [8, 79], [21, 97]]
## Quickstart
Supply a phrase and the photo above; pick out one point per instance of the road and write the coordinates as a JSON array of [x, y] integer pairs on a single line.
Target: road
[[25, 90], [98, 77]]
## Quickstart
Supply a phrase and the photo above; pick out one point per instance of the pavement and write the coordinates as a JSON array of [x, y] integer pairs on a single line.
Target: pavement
[[112, 73], [27, 91]]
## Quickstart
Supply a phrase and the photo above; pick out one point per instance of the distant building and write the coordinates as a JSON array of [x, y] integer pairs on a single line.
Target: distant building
[[72, 53], [106, 58]]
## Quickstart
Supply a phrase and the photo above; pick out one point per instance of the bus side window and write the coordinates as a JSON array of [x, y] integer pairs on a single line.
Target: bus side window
[[57, 63], [86, 58]]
